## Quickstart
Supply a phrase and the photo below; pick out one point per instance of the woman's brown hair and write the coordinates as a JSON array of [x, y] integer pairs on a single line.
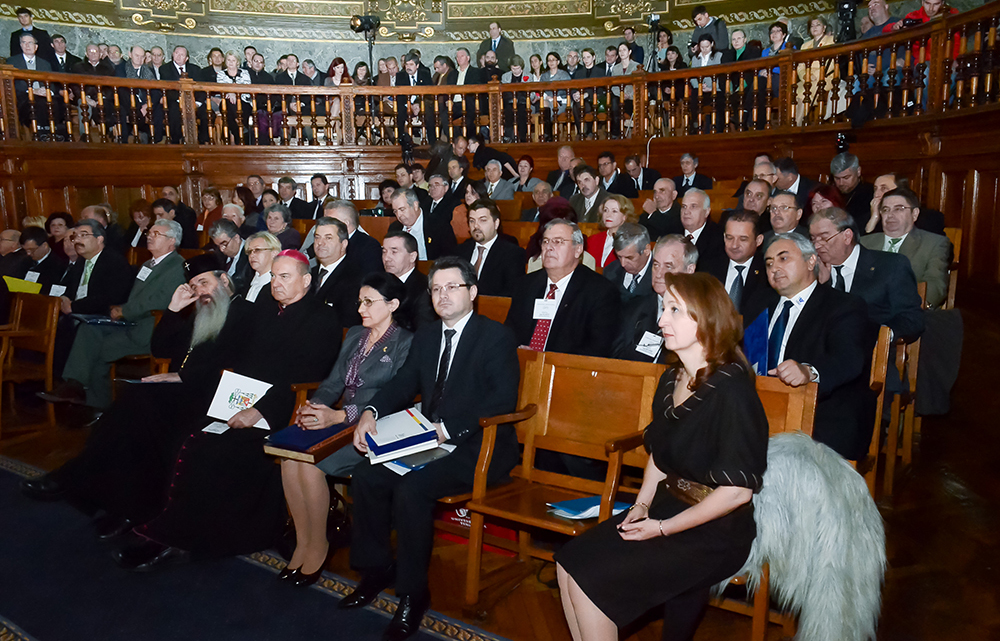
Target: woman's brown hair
[[720, 328]]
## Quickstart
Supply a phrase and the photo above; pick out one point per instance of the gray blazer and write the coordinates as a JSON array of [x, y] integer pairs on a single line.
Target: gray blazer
[[375, 371], [577, 201], [930, 256], [18, 62], [503, 191], [714, 59]]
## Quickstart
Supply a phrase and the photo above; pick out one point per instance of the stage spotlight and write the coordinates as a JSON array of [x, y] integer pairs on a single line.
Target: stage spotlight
[[361, 24]]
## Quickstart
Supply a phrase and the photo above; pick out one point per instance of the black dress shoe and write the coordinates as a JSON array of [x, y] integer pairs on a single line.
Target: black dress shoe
[[43, 488], [369, 588], [288, 574], [68, 392], [302, 579], [110, 527], [406, 622], [149, 556]]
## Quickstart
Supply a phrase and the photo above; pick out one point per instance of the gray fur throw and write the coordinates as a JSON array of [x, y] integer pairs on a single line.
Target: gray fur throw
[[819, 529]]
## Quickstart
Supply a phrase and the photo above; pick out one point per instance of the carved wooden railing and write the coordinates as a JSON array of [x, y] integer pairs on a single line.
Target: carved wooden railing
[[949, 64]]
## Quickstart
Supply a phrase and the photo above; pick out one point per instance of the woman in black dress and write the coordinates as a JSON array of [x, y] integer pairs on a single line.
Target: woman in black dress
[[708, 440]]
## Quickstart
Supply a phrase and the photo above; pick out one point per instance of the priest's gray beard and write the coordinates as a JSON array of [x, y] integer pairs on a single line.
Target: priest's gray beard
[[210, 316]]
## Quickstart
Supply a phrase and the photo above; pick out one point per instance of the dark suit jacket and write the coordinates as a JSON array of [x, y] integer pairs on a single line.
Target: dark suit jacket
[[244, 272], [110, 284], [301, 80], [639, 316], [444, 209], [50, 271], [756, 278], [439, 237], [458, 192], [365, 253], [711, 245], [529, 215], [403, 80], [482, 381], [374, 372], [701, 181], [831, 334], [300, 209], [18, 62], [341, 292], [587, 318], [503, 270], [45, 50], [188, 220], [648, 179], [71, 61], [566, 188], [578, 202], [418, 300], [15, 264], [887, 284], [615, 274], [751, 51], [805, 186], [662, 223], [623, 185]]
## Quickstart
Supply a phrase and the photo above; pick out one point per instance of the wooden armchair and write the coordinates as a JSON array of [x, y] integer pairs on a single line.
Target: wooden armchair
[[880, 367], [328, 447], [493, 307], [581, 402], [32, 329], [954, 234]]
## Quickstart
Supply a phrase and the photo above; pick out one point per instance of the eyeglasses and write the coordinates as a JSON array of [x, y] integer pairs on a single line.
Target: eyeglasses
[[156, 234], [80, 234], [759, 176], [251, 252], [368, 302], [450, 288], [780, 208], [898, 209], [556, 242], [824, 240]]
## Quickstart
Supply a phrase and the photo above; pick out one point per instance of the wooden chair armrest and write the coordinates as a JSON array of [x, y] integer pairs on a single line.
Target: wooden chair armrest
[[624, 443], [305, 387], [522, 414], [483, 463], [161, 365], [21, 333], [301, 391]]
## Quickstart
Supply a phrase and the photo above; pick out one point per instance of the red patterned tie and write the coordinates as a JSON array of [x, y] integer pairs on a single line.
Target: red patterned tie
[[542, 326]]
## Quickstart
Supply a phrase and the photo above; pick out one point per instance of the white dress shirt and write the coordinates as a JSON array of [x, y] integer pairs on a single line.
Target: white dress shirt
[[609, 245], [850, 267], [731, 273], [257, 284], [324, 272], [696, 234], [798, 303], [642, 272], [488, 245], [887, 245], [417, 231]]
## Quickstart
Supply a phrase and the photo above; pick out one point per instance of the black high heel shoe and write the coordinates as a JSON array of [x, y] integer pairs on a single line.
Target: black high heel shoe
[[289, 574], [302, 579]]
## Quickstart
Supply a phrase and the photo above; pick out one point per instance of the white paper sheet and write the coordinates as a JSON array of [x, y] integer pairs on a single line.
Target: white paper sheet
[[235, 394]]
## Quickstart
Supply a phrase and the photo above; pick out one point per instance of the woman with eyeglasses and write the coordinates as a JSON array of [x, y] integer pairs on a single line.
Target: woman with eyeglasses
[[371, 355], [261, 248]]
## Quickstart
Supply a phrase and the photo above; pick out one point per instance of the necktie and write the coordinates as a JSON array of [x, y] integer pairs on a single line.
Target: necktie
[[777, 336], [689, 237], [495, 45], [319, 208], [433, 205], [489, 192], [541, 333], [62, 61], [638, 185], [894, 245], [31, 64], [687, 181], [408, 230], [324, 272], [479, 258], [736, 291], [632, 285], [441, 377], [181, 70], [840, 285], [88, 267]]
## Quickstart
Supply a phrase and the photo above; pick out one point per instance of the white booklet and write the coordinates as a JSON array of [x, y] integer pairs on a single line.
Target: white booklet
[[400, 434], [235, 394]]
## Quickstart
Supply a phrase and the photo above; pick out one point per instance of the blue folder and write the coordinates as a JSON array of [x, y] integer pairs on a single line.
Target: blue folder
[[755, 343], [299, 440]]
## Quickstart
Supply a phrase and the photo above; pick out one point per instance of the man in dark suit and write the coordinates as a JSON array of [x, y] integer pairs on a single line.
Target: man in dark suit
[[287, 188], [14, 261], [32, 101], [499, 265], [562, 180], [788, 178], [884, 280], [435, 237], [99, 280], [298, 105], [816, 333], [639, 338], [857, 194], [268, 124], [662, 214], [399, 256], [45, 50], [741, 272], [590, 196], [184, 214], [443, 202], [612, 180], [178, 67], [783, 214], [445, 74], [225, 235], [930, 220], [96, 347], [630, 273], [644, 178], [320, 195], [411, 75], [458, 169], [43, 265], [565, 307], [114, 237], [540, 194], [336, 280], [498, 43], [690, 178], [465, 368], [363, 251], [63, 60], [699, 228]]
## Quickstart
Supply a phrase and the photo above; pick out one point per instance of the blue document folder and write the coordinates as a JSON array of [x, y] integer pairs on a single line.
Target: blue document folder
[[755, 343], [297, 439]]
